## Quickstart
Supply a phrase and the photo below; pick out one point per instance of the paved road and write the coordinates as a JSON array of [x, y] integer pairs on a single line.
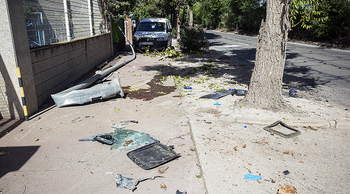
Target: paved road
[[321, 71]]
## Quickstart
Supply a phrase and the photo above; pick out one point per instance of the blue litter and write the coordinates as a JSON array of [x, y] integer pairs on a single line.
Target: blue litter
[[252, 177], [245, 126], [216, 103], [187, 87]]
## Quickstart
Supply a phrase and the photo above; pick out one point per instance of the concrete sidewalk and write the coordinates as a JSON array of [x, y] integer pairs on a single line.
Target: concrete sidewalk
[[218, 144]]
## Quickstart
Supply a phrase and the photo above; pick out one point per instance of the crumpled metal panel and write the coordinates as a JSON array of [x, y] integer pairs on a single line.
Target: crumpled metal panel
[[87, 95]]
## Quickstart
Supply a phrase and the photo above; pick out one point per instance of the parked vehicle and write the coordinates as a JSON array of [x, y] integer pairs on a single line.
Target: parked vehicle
[[153, 32]]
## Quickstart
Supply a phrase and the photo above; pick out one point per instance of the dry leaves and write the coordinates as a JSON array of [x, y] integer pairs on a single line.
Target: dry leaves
[[288, 189], [313, 128], [162, 169], [244, 146], [127, 142], [163, 187]]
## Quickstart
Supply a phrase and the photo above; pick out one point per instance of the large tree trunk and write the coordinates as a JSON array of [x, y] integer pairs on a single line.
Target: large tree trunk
[[265, 88]]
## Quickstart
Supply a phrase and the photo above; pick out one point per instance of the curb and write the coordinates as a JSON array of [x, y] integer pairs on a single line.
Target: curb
[[332, 124]]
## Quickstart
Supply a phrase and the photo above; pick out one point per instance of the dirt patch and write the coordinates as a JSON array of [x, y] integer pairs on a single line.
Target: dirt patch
[[213, 111], [154, 90]]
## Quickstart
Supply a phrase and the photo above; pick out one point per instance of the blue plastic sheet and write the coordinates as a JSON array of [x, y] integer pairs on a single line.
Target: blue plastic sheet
[[252, 177]]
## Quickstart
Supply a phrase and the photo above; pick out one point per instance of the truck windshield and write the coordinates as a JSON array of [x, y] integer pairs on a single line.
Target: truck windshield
[[151, 26]]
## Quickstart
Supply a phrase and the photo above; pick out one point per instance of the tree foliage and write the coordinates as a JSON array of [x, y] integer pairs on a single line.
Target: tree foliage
[[193, 39], [113, 8], [326, 19]]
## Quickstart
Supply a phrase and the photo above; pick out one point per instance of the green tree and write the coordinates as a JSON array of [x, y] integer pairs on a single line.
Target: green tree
[[245, 14], [337, 22]]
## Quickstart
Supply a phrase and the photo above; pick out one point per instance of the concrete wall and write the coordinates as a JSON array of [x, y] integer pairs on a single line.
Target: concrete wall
[[57, 66], [14, 52]]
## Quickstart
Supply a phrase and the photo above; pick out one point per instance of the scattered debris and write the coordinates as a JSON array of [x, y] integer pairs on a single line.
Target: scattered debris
[[244, 146], [240, 92], [127, 142], [121, 124], [288, 189], [163, 187], [218, 94], [208, 122], [81, 118], [3, 153], [269, 129], [179, 192], [286, 172], [162, 169], [118, 138], [188, 87], [130, 183], [252, 177], [217, 103], [152, 155], [105, 139], [199, 176], [293, 93], [313, 128], [286, 152]]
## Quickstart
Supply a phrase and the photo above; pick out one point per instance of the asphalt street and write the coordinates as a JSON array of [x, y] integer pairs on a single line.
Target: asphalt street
[[322, 72]]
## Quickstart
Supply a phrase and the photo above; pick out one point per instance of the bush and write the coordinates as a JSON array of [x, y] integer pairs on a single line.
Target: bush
[[192, 39]]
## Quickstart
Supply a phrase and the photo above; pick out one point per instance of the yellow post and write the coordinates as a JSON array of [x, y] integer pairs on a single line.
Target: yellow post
[[22, 94]]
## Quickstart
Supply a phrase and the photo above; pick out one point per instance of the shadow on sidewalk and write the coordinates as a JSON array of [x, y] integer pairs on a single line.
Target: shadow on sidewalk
[[13, 158]]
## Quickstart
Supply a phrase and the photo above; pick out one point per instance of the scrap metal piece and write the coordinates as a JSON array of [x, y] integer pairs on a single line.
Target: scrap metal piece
[[87, 95], [105, 139], [241, 92], [130, 183], [269, 129], [102, 138]]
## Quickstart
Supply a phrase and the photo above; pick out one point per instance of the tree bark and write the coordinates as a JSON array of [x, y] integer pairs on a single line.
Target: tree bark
[[178, 21], [191, 16], [265, 88]]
